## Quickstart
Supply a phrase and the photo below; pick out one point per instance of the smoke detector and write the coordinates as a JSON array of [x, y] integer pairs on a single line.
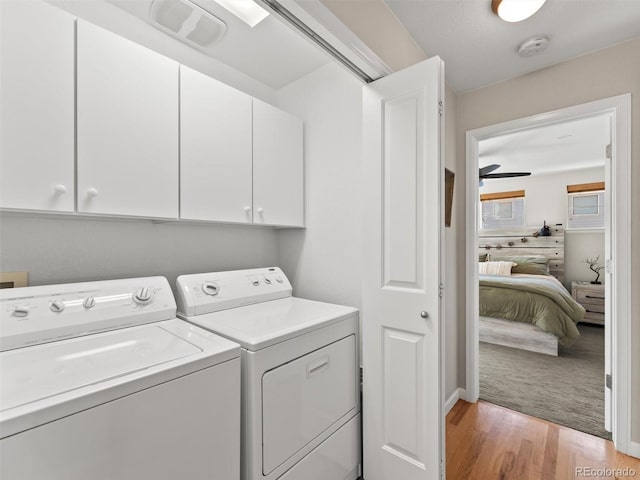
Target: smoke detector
[[533, 46], [187, 22]]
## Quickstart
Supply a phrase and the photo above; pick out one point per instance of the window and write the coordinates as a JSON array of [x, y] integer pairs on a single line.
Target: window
[[586, 210], [502, 210]]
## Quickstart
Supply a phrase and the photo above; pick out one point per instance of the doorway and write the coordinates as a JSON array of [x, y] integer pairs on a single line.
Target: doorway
[[617, 273]]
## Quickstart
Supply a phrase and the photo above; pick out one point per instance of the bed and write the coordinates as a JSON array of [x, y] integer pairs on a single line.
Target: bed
[[531, 309]]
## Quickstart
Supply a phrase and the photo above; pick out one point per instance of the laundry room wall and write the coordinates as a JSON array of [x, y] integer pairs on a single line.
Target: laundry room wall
[[324, 260], [56, 249]]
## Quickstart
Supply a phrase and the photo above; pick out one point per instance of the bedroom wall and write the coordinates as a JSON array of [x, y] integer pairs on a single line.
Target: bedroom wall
[[546, 199], [605, 73]]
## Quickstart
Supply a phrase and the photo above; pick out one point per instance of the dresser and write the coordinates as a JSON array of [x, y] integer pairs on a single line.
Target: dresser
[[591, 297]]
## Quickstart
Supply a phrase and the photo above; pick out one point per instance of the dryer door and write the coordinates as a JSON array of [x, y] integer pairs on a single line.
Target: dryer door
[[304, 397]]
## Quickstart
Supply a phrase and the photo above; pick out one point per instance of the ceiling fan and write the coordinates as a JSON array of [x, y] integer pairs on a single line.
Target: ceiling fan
[[485, 173]]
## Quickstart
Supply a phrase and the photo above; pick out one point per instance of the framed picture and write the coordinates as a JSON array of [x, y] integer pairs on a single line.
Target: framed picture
[[449, 178]]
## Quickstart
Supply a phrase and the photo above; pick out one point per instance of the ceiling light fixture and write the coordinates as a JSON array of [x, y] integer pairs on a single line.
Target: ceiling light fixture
[[246, 10], [515, 10]]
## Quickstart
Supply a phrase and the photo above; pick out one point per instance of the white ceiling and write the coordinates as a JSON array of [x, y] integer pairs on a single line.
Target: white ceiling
[[560, 147], [271, 52], [479, 49]]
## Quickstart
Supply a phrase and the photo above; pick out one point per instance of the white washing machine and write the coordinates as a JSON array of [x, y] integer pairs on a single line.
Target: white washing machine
[[300, 373], [100, 381]]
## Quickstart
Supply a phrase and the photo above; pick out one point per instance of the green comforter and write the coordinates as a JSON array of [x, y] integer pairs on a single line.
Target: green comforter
[[542, 301]]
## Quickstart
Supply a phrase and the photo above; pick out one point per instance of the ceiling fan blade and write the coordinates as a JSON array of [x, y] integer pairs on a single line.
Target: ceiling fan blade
[[488, 169], [506, 175]]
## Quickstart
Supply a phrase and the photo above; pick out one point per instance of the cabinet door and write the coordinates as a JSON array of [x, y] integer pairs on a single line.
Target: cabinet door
[[215, 150], [37, 113], [127, 127], [277, 167]]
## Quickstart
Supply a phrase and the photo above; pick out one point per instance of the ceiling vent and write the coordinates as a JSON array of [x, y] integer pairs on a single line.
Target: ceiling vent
[[533, 46], [187, 22]]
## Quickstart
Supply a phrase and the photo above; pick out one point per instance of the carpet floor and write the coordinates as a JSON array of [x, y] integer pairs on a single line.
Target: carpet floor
[[567, 389]]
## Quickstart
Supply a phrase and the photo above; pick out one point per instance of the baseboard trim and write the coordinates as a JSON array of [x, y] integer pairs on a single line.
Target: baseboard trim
[[458, 393], [634, 449]]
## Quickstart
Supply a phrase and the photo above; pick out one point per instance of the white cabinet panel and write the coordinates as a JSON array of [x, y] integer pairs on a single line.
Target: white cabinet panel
[[215, 150], [278, 197], [127, 122], [37, 113]]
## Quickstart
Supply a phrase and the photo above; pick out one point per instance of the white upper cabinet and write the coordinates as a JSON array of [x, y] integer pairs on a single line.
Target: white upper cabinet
[[215, 150], [37, 107], [127, 121], [278, 197]]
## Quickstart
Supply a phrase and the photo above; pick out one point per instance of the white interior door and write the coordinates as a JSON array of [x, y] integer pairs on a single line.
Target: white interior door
[[403, 174]]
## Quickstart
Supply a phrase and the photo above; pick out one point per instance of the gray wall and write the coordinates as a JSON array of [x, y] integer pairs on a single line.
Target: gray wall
[[61, 250]]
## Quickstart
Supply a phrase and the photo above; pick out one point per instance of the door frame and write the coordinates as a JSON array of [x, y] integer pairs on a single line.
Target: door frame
[[619, 107]]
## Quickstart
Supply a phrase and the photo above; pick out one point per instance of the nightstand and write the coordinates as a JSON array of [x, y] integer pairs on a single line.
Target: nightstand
[[591, 297]]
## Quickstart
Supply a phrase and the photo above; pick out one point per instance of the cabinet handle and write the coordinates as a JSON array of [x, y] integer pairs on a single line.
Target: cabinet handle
[[60, 189], [92, 192], [247, 209], [590, 296], [260, 210]]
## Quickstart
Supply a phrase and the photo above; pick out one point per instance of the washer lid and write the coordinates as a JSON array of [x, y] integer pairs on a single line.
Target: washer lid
[[42, 383], [31, 374], [264, 324]]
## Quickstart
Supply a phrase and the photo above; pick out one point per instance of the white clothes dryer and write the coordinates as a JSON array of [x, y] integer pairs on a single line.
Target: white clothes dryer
[[300, 372], [100, 381]]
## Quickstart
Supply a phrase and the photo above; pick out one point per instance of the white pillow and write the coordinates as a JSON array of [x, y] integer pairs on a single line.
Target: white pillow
[[502, 269]]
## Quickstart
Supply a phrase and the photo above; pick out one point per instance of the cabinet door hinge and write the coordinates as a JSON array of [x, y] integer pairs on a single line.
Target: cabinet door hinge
[[441, 107], [441, 290], [607, 380], [608, 151]]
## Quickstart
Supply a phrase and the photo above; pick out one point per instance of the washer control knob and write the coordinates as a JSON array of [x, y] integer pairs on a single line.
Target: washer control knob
[[255, 282], [142, 296], [56, 306], [210, 288], [21, 312], [267, 281], [89, 302], [279, 279]]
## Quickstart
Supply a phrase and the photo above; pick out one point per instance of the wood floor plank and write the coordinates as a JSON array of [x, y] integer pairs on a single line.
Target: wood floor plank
[[487, 442]]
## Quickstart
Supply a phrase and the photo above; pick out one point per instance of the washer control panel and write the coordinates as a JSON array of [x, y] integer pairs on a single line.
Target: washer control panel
[[33, 315], [202, 293]]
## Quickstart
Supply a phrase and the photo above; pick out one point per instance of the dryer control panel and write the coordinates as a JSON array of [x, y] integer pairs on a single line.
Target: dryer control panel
[[34, 315], [202, 293]]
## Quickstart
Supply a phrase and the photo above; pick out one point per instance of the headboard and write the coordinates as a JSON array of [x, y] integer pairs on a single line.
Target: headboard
[[522, 241]]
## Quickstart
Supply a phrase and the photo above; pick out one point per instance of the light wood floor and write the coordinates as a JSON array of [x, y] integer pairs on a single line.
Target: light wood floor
[[486, 442]]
